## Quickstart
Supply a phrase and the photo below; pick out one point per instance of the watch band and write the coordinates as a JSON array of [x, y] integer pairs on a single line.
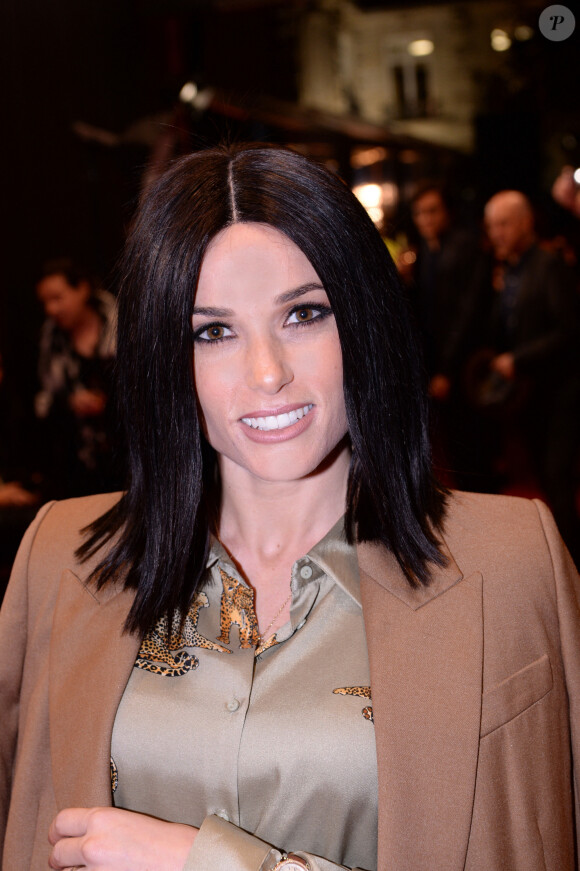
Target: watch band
[[291, 862]]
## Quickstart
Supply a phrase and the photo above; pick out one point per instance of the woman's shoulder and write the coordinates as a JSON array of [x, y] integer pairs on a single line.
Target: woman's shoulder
[[59, 530], [494, 510], [46, 557], [78, 511], [502, 534]]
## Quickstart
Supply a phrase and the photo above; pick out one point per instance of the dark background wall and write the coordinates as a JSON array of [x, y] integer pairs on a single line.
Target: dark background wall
[[109, 63]]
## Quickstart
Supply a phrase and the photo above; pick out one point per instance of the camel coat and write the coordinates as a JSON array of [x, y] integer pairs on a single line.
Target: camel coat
[[475, 690]]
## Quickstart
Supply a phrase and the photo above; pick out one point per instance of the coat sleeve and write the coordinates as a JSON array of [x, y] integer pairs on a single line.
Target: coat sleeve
[[13, 644], [567, 584], [221, 845]]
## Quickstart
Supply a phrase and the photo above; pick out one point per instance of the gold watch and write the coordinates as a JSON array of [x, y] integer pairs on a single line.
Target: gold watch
[[291, 862]]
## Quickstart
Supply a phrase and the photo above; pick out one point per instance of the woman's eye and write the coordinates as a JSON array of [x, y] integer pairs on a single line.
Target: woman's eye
[[303, 315], [213, 333]]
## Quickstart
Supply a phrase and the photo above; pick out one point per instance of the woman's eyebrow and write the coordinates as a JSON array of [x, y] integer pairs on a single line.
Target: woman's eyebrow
[[297, 292], [211, 312]]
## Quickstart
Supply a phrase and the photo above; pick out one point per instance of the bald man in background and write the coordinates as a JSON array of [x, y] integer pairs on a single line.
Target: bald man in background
[[534, 329]]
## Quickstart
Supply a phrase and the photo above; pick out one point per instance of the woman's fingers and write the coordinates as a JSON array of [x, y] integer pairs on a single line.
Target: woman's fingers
[[67, 834], [69, 823], [66, 853], [112, 839]]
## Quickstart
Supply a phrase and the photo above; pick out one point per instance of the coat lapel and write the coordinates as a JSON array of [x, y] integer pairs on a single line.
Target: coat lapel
[[425, 653], [90, 662]]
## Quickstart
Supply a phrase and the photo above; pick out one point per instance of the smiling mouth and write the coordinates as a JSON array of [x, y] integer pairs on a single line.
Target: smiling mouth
[[277, 421]]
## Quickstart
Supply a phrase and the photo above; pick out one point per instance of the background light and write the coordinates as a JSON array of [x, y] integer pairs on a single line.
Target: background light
[[367, 156], [377, 199], [577, 175], [523, 32], [188, 92], [376, 214], [370, 195], [420, 47], [500, 41]]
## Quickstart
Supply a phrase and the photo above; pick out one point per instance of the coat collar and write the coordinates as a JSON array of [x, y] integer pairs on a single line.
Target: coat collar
[[381, 565], [426, 659]]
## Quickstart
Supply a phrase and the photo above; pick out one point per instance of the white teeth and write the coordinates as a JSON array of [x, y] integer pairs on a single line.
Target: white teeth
[[278, 421]]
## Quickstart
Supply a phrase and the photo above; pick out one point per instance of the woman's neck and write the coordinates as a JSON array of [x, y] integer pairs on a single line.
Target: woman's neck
[[282, 519]]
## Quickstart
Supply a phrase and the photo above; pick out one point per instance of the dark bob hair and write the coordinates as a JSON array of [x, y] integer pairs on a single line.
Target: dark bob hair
[[159, 531]]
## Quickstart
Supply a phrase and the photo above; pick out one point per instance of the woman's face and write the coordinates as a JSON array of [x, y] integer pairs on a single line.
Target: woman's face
[[267, 357]]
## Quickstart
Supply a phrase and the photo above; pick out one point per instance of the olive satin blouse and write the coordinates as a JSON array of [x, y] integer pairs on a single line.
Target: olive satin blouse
[[265, 748]]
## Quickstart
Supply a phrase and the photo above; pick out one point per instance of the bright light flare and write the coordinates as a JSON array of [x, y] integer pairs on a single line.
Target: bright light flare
[[370, 195], [188, 92], [500, 40], [421, 47]]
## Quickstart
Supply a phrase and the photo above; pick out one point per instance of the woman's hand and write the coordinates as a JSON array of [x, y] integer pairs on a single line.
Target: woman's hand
[[111, 839]]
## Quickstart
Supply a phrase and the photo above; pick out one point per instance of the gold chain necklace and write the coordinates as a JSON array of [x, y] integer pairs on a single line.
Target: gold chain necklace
[[263, 636]]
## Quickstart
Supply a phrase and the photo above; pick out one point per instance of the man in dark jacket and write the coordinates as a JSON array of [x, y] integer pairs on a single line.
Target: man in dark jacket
[[534, 331], [449, 291]]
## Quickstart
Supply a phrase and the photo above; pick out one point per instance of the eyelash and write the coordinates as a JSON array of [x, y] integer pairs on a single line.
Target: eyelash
[[323, 312]]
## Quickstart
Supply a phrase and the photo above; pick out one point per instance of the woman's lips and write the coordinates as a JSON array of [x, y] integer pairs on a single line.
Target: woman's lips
[[270, 428], [269, 422]]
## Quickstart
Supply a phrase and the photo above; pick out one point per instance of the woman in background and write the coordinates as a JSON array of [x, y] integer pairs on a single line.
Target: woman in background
[[284, 646]]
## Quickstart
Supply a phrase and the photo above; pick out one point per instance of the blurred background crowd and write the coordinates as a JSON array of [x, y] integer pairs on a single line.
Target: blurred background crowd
[[456, 124]]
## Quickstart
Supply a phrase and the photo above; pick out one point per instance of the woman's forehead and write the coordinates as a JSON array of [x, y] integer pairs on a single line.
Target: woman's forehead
[[252, 255]]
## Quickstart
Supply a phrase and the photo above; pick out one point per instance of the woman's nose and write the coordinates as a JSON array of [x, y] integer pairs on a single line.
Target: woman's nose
[[267, 366]]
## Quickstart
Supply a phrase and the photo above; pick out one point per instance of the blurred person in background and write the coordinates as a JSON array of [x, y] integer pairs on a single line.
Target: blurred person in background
[[566, 190], [534, 330], [77, 350], [447, 277]]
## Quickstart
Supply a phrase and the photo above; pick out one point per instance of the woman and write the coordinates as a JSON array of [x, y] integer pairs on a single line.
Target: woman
[[200, 652], [77, 350]]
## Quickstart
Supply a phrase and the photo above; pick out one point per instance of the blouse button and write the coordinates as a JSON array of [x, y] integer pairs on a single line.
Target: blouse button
[[233, 705], [306, 572]]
